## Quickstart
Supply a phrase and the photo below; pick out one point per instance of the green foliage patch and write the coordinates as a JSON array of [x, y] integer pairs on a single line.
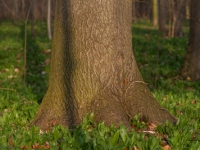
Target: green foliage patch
[[159, 60]]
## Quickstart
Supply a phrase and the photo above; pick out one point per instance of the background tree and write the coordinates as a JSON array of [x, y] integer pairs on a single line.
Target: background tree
[[191, 68], [143, 9], [49, 19], [155, 12], [163, 17], [134, 18], [32, 19], [93, 68], [177, 13]]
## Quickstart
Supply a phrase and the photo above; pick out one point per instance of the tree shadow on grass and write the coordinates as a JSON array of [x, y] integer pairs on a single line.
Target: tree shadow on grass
[[36, 76]]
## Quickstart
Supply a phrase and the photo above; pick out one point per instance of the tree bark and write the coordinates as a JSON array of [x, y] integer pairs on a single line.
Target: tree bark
[[163, 8], [32, 19], [191, 68], [49, 19], [188, 9], [177, 5], [155, 12], [93, 68]]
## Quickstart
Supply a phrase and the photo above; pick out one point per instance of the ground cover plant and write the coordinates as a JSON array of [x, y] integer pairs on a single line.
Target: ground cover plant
[[159, 60]]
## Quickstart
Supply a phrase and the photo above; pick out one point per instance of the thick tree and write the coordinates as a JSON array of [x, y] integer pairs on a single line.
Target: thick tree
[[93, 68], [191, 68]]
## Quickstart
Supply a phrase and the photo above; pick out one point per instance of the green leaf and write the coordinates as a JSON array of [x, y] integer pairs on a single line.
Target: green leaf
[[123, 133], [56, 134], [115, 138]]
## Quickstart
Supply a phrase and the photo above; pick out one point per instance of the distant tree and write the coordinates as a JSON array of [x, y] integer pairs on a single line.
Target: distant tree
[[155, 12], [163, 17], [32, 19], [49, 19], [143, 9], [93, 68], [177, 6], [191, 68], [134, 18]]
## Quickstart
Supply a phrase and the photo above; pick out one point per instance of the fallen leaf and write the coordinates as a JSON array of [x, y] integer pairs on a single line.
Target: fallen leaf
[[152, 126], [16, 70], [150, 132], [194, 101], [135, 148], [167, 147], [188, 78], [46, 51], [193, 136], [54, 123], [5, 110], [165, 98], [19, 55], [10, 142], [164, 142], [41, 132], [47, 61]]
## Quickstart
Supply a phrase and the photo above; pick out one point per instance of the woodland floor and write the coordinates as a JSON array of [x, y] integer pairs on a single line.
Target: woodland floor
[[159, 60]]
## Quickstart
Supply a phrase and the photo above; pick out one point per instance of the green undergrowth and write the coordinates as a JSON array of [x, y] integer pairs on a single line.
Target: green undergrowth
[[159, 60]]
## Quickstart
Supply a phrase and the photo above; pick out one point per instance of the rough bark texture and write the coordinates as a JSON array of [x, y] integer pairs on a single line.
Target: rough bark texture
[[163, 17], [93, 68], [191, 68]]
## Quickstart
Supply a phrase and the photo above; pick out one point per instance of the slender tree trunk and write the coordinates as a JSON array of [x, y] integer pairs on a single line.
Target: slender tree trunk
[[155, 12], [163, 8], [191, 68], [49, 19], [93, 68], [188, 9], [32, 20], [177, 5], [23, 9]]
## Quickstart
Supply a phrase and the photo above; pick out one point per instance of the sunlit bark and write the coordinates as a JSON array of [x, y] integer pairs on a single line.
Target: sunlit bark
[[93, 68]]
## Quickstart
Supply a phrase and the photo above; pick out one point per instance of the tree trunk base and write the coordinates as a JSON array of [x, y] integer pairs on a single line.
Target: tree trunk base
[[138, 100]]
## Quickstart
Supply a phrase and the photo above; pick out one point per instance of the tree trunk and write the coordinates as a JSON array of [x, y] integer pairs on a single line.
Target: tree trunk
[[163, 8], [32, 19], [188, 9], [49, 19], [155, 12], [177, 17], [191, 68], [93, 68]]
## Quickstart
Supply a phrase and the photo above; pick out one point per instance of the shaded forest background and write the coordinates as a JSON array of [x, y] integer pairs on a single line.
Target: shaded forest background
[[141, 9]]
